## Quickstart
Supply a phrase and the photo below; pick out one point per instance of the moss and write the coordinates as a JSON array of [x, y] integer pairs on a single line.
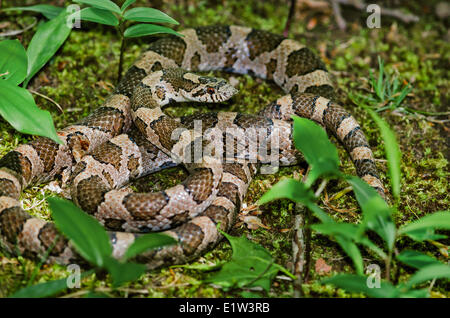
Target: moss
[[83, 73]]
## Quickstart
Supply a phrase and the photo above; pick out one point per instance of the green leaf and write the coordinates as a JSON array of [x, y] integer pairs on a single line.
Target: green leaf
[[101, 4], [46, 41], [47, 10], [352, 251], [416, 259], [288, 189], [251, 265], [45, 289], [377, 215], [147, 29], [13, 61], [421, 235], [86, 234], [392, 150], [433, 271], [359, 284], [17, 107], [147, 242], [42, 290], [319, 152], [123, 272], [436, 220], [148, 15], [99, 16], [126, 4]]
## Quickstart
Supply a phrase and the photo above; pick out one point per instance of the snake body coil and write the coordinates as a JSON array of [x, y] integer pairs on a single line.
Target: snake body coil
[[129, 136]]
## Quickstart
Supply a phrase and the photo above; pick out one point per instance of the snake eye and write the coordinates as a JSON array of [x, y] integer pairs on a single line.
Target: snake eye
[[210, 90]]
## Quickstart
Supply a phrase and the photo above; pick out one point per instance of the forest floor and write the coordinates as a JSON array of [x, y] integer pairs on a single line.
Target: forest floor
[[84, 72]]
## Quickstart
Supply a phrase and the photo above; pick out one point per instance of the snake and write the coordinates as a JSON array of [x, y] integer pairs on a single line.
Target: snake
[[130, 136]]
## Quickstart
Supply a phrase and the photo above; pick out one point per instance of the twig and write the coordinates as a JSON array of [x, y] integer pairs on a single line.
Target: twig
[[361, 5], [16, 32], [47, 98], [289, 19]]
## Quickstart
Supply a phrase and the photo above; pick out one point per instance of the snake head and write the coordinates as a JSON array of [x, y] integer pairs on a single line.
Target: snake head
[[211, 90]]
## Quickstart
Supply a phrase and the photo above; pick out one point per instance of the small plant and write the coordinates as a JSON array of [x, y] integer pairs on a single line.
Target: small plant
[[18, 66], [108, 13], [321, 155], [91, 241]]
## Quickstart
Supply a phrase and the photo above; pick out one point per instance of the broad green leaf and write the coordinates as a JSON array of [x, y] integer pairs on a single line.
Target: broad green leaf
[[45, 289], [123, 272], [352, 251], [251, 265], [47, 10], [46, 41], [13, 62], [436, 220], [319, 152], [360, 284], [376, 213], [416, 259], [147, 29], [433, 271], [17, 107], [99, 16], [413, 293], [147, 242], [288, 189], [421, 235], [392, 150], [148, 15], [42, 290], [126, 4], [86, 234], [101, 4]]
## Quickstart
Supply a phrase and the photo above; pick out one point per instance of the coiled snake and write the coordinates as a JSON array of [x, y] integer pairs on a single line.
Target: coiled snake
[[129, 136]]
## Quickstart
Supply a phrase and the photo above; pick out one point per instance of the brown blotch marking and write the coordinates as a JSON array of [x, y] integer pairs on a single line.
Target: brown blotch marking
[[49, 236], [260, 42], [163, 127], [180, 218], [230, 191], [79, 168], [200, 184], [129, 81], [195, 61], [218, 214], [207, 120], [78, 143], [190, 236], [302, 62], [230, 58], [213, 37], [108, 178], [325, 90], [161, 93], [12, 221], [8, 189], [156, 67], [17, 163], [236, 170], [271, 67], [106, 119], [172, 47], [114, 224], [133, 163], [144, 206], [175, 76], [108, 153], [91, 193], [46, 150]]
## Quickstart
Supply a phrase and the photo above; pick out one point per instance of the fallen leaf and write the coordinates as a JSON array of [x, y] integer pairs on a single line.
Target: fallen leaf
[[322, 267]]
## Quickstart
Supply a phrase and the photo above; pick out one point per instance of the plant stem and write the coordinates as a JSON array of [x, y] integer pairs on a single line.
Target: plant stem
[[122, 49], [388, 266]]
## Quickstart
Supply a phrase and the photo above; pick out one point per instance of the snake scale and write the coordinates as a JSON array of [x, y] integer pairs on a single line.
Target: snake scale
[[130, 136]]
